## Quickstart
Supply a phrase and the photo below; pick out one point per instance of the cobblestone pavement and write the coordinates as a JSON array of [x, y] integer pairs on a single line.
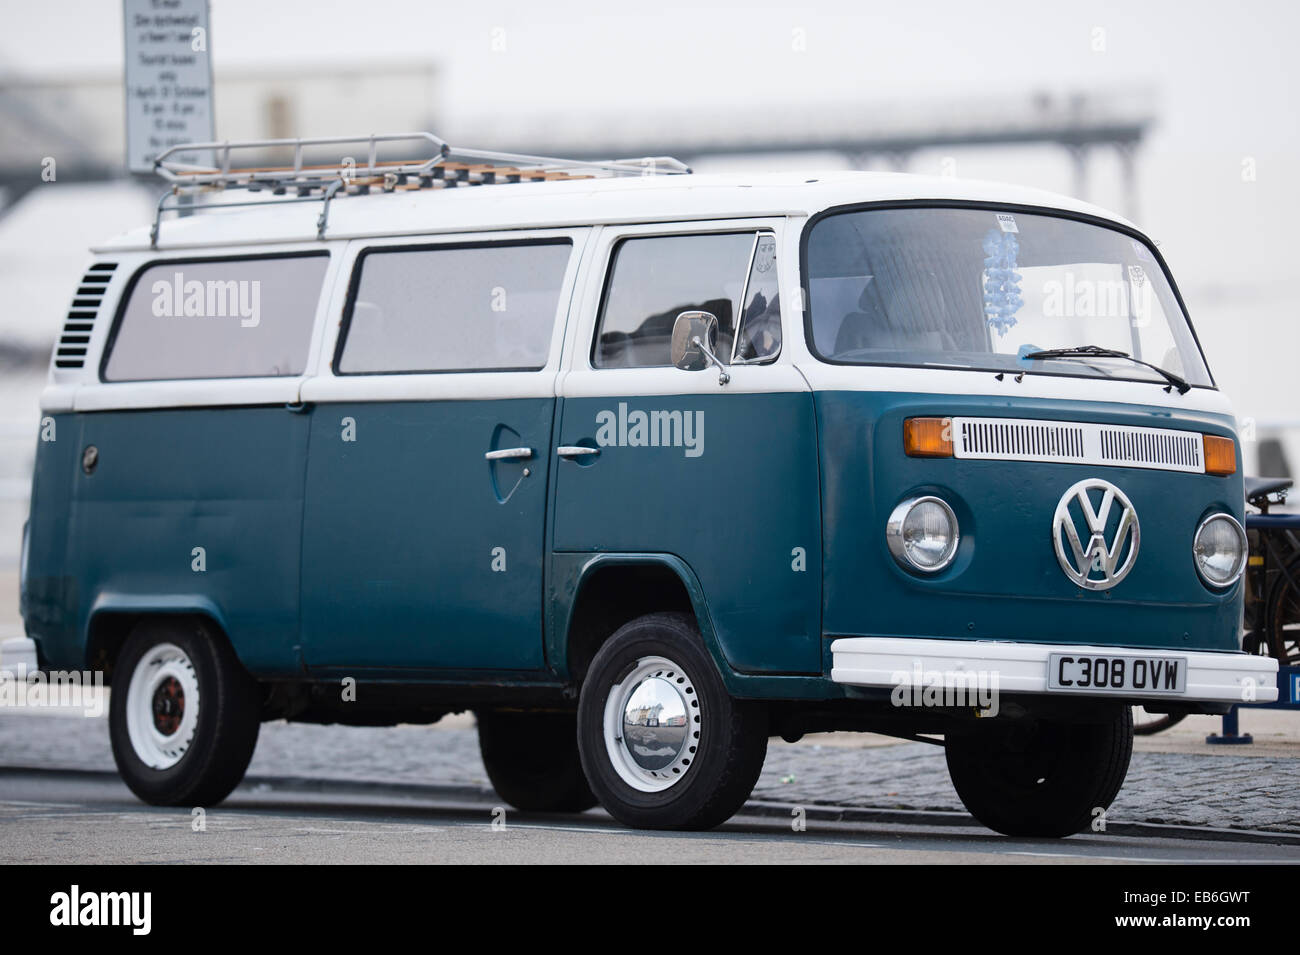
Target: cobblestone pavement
[[1212, 790]]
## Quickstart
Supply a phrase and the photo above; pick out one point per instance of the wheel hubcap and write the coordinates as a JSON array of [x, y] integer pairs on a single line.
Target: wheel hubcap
[[162, 706], [652, 725], [168, 706]]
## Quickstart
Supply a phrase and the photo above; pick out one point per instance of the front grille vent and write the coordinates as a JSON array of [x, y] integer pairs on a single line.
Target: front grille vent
[[996, 439], [1181, 449], [1071, 442]]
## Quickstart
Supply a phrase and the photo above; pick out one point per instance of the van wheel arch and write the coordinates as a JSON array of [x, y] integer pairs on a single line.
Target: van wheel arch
[[615, 593], [108, 631]]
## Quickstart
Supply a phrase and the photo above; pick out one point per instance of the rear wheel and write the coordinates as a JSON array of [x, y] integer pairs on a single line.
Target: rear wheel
[[1044, 778], [663, 743], [183, 715], [532, 760]]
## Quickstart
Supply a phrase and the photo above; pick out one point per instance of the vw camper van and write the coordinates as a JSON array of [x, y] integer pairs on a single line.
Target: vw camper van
[[644, 468]]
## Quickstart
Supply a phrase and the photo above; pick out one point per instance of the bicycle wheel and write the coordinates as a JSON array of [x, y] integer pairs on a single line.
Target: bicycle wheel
[[1282, 621], [1145, 724]]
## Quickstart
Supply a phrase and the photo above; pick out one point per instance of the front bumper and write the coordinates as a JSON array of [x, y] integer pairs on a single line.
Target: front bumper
[[1022, 667]]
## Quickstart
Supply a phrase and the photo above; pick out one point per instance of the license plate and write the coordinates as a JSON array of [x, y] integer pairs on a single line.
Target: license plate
[[1116, 674]]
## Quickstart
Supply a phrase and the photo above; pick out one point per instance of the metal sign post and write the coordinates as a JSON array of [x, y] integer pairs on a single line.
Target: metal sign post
[[168, 76]]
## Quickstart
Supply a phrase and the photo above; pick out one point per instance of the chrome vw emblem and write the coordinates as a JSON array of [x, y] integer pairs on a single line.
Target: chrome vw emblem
[[1101, 511]]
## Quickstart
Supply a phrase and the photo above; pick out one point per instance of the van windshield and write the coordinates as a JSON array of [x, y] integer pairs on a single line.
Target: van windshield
[[985, 289]]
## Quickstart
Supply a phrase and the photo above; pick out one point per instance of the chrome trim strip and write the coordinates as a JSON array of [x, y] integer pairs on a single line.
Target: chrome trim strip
[[744, 293]]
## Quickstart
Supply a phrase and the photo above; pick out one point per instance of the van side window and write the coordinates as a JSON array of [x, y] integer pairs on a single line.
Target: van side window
[[228, 318], [759, 337], [453, 308], [654, 279]]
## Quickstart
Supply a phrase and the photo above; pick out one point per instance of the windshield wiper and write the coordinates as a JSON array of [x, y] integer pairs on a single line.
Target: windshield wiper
[[1096, 351]]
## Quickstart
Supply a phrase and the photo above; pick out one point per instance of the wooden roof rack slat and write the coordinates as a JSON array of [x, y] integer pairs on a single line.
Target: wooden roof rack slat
[[445, 167], [440, 153]]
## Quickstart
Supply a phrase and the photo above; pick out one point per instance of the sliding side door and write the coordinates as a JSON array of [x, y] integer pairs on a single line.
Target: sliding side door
[[430, 439]]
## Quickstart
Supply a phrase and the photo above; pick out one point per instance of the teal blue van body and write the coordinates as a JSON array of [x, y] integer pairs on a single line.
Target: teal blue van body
[[849, 471], [231, 479], [1004, 583], [401, 555]]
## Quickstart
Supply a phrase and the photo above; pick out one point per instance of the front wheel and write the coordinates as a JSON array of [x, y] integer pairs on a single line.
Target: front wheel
[[1041, 778], [663, 744], [183, 716]]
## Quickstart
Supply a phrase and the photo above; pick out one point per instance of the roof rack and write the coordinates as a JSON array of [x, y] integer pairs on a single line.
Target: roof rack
[[445, 167]]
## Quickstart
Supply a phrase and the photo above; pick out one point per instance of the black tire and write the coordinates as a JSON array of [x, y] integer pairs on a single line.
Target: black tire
[[532, 760], [722, 762], [1282, 617], [225, 727], [1041, 778]]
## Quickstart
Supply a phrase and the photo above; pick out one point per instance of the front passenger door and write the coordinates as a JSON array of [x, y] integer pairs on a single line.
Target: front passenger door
[[656, 460]]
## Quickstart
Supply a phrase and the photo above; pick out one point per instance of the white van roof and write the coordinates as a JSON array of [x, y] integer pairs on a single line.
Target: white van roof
[[559, 204]]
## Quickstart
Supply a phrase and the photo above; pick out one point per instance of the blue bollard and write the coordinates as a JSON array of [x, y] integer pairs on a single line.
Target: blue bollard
[[1230, 734]]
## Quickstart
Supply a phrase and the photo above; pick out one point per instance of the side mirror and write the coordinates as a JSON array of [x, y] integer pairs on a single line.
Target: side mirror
[[695, 336]]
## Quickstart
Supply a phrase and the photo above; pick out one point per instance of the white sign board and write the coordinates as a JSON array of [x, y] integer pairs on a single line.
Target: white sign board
[[168, 79]]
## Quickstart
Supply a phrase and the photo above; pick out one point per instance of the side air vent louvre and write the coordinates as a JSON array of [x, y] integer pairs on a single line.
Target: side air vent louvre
[[75, 340], [1070, 442]]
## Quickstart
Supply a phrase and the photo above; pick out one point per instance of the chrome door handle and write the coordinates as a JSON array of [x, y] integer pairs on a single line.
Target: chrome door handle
[[575, 450], [507, 453]]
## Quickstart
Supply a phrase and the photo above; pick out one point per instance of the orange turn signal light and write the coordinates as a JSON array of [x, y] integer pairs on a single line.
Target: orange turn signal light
[[927, 437], [1220, 455]]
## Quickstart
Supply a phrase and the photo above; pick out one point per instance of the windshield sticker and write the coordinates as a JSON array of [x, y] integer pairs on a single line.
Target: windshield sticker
[[1002, 299], [1140, 300], [1007, 222]]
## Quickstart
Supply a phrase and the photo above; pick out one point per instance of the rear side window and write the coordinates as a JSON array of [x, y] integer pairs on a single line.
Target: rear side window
[[454, 308], [654, 279], [229, 318]]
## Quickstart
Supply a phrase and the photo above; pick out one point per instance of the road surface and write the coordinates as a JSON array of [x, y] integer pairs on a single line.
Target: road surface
[[90, 817]]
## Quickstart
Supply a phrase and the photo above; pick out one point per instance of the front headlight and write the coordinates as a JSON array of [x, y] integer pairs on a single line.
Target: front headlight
[[922, 534], [1220, 550]]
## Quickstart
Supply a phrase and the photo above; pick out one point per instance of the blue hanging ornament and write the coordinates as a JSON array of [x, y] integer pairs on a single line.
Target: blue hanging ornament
[[1002, 299]]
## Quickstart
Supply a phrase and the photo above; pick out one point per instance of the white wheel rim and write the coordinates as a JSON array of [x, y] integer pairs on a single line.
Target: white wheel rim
[[160, 731], [648, 754]]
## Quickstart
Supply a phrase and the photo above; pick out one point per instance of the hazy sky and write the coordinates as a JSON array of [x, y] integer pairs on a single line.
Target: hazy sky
[[1226, 75], [1227, 79]]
